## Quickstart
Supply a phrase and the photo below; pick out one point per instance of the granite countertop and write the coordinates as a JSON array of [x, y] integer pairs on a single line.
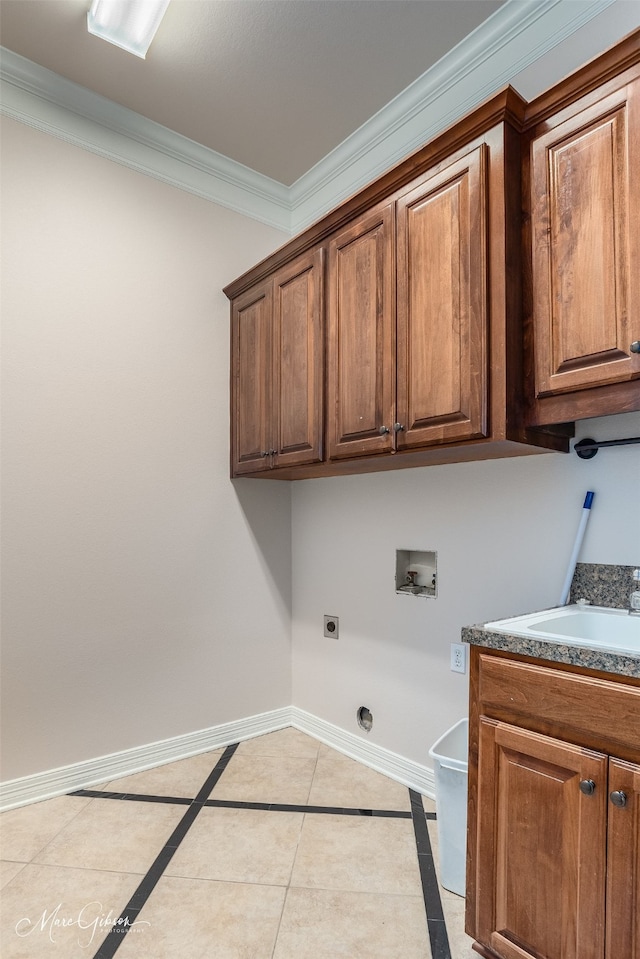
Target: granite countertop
[[587, 657]]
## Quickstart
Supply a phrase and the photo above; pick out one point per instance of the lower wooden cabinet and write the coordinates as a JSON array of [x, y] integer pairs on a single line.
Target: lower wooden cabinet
[[623, 863], [554, 840]]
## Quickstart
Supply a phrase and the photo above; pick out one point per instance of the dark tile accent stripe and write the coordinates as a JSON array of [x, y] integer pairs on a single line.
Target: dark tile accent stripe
[[118, 931], [134, 797], [323, 810], [432, 902], [436, 926], [237, 804], [439, 939]]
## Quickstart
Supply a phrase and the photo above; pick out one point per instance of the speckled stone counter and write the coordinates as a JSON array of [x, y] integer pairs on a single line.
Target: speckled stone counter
[[602, 584], [622, 664]]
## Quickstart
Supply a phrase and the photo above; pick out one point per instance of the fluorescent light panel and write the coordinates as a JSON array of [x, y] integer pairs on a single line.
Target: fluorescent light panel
[[129, 24]]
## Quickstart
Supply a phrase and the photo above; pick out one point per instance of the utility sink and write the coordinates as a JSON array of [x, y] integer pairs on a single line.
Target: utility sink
[[579, 625]]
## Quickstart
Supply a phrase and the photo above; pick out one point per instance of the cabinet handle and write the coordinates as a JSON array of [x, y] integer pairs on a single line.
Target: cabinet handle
[[587, 787], [264, 453], [635, 346], [383, 430], [398, 428], [618, 798]]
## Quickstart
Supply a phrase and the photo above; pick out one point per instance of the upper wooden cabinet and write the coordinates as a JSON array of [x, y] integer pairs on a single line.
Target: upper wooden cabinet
[[361, 303], [583, 161], [478, 297], [442, 311], [276, 350], [423, 356], [408, 317]]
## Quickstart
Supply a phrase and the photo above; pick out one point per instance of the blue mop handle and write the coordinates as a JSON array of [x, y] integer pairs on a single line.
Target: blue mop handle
[[584, 518]]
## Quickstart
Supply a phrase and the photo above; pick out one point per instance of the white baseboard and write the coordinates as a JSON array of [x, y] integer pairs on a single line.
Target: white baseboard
[[397, 767], [93, 772]]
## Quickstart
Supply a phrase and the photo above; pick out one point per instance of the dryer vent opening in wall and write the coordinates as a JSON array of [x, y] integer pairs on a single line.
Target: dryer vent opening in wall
[[365, 718]]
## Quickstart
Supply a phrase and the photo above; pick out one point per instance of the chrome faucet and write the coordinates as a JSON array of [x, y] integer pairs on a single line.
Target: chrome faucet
[[634, 598]]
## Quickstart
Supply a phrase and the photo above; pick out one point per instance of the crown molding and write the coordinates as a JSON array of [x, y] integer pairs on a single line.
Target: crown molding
[[514, 37], [51, 103]]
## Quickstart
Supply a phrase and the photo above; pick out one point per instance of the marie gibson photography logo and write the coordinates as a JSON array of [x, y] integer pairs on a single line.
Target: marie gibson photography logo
[[90, 920]]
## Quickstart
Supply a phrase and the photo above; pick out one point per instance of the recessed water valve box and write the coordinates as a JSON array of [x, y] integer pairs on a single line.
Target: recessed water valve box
[[416, 572]]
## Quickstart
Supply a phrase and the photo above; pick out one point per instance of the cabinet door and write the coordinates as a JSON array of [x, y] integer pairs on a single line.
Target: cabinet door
[[442, 322], [541, 846], [623, 863], [252, 380], [585, 182], [361, 347], [298, 361]]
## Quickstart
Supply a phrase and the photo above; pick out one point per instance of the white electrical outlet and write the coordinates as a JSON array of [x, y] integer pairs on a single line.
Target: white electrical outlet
[[459, 657]]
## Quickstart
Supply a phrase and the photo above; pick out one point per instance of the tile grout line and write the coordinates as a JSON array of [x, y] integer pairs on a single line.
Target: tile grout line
[[48, 843], [433, 906], [127, 918], [288, 887], [438, 936]]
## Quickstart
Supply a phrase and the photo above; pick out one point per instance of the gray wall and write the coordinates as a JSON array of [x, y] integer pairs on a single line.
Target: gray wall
[[503, 531], [145, 595]]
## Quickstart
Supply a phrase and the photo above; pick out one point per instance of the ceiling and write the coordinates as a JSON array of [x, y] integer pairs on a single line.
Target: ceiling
[[272, 84]]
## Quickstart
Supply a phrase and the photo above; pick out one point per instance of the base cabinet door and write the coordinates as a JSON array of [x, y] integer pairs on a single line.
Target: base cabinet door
[[541, 850], [623, 861]]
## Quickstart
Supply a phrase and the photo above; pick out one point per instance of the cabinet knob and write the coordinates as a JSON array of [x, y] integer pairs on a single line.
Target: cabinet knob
[[264, 453], [383, 430], [618, 798], [398, 428], [587, 787], [635, 346]]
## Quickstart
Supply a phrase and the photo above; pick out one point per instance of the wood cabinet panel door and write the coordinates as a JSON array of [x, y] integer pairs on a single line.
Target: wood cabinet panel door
[[442, 324], [585, 181], [541, 846], [252, 381], [298, 361], [361, 341], [623, 863]]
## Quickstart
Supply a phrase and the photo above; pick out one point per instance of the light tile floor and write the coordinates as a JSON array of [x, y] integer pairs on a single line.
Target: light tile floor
[[267, 850]]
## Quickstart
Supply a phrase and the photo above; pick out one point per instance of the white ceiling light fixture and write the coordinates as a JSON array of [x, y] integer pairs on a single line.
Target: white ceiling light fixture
[[129, 24]]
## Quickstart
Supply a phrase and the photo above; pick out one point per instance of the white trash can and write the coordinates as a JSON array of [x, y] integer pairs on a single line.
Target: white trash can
[[450, 755]]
